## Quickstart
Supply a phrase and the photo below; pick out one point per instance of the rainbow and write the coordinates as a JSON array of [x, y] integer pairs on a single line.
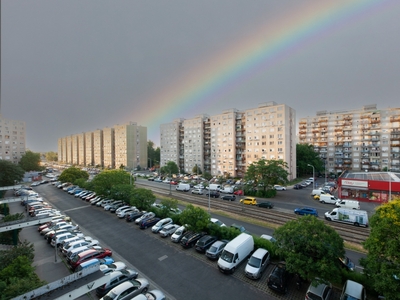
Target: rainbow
[[274, 42]]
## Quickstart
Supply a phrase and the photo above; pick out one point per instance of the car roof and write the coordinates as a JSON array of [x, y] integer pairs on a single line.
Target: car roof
[[122, 287], [260, 252], [317, 290], [353, 289]]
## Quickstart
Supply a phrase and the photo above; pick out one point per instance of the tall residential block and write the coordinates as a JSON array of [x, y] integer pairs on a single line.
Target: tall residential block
[[226, 144], [366, 139], [121, 145], [12, 140]]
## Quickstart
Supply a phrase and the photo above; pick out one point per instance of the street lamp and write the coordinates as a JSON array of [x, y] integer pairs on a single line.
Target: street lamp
[[313, 175], [209, 196]]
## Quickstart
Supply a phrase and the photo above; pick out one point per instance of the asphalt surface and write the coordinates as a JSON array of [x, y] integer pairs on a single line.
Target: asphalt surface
[[180, 273]]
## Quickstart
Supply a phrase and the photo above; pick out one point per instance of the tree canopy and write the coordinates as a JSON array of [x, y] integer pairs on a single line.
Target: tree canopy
[[30, 161], [170, 168], [310, 248], [51, 156], [265, 173], [72, 174], [102, 183], [142, 198], [382, 263], [10, 173], [196, 170], [306, 155], [153, 154], [196, 218]]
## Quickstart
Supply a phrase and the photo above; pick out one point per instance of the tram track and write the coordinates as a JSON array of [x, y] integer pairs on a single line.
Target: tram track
[[276, 216]]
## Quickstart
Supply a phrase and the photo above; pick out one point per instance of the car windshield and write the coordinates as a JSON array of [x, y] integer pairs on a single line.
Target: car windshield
[[348, 297], [111, 295], [227, 256], [254, 262], [312, 296], [213, 249]]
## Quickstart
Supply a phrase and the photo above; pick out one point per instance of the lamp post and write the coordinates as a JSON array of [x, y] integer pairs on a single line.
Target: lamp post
[[313, 175], [209, 196]]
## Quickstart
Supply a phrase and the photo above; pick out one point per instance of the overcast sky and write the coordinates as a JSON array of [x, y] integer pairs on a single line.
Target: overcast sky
[[74, 66]]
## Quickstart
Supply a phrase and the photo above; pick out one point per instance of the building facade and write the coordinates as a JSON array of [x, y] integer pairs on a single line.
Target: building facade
[[12, 140], [366, 139], [124, 145], [226, 144]]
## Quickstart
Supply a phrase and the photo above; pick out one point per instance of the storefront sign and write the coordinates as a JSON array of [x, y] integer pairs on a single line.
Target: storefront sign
[[354, 183]]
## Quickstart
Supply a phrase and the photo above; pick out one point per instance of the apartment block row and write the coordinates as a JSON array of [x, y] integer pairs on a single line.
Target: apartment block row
[[227, 143], [121, 145], [366, 139], [12, 140]]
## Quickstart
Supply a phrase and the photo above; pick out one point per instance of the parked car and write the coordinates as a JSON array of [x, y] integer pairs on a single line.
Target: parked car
[[88, 254], [178, 234], [168, 230], [217, 222], [279, 278], [148, 222], [257, 263], [297, 186], [215, 249], [268, 238], [319, 291], [278, 187], [190, 239], [204, 243], [353, 290], [126, 211], [346, 263], [197, 191], [128, 289], [116, 278], [229, 197], [238, 193], [147, 215], [151, 295], [111, 267], [265, 204], [132, 216], [306, 211], [161, 224]]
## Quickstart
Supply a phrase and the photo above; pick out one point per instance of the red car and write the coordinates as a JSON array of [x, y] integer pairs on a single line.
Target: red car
[[173, 182], [238, 193], [88, 254]]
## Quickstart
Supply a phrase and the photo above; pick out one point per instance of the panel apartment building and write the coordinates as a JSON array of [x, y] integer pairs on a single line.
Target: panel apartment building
[[12, 140], [109, 147], [365, 139], [227, 143]]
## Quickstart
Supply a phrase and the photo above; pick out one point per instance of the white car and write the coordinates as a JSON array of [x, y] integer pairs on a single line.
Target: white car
[[217, 222], [126, 211], [278, 187], [115, 266], [197, 191]]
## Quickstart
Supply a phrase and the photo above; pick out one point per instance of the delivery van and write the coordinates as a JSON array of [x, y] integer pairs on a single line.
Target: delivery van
[[318, 192], [350, 204], [214, 187], [227, 190], [350, 216], [328, 199], [185, 187], [235, 252], [91, 263]]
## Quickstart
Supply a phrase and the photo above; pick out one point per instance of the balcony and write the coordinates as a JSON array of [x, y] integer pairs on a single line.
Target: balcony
[[375, 121], [395, 119]]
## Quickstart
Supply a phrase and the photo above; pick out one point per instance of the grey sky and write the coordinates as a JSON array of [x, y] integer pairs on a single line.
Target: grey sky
[[79, 65]]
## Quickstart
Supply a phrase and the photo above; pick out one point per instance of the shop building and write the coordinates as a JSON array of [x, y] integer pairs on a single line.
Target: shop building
[[378, 187]]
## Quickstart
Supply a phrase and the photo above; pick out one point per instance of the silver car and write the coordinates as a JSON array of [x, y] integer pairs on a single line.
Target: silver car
[[168, 230], [257, 263]]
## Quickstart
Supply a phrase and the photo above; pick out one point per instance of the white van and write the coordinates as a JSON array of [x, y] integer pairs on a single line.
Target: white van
[[235, 252], [58, 239], [318, 192], [227, 190], [328, 199], [350, 204], [185, 187], [214, 187]]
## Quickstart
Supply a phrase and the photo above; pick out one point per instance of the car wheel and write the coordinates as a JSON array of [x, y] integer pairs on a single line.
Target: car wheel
[[144, 290], [233, 270], [323, 202]]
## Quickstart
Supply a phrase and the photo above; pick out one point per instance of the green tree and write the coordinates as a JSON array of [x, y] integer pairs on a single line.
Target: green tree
[[266, 173], [382, 263], [103, 182], [310, 248], [167, 206], [30, 161], [51, 156], [207, 176], [170, 168], [153, 154], [10, 173], [196, 218], [306, 155], [122, 192], [72, 174], [196, 170], [142, 198]]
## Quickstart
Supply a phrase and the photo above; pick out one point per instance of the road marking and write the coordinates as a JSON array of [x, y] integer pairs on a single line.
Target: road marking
[[163, 257], [76, 208]]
